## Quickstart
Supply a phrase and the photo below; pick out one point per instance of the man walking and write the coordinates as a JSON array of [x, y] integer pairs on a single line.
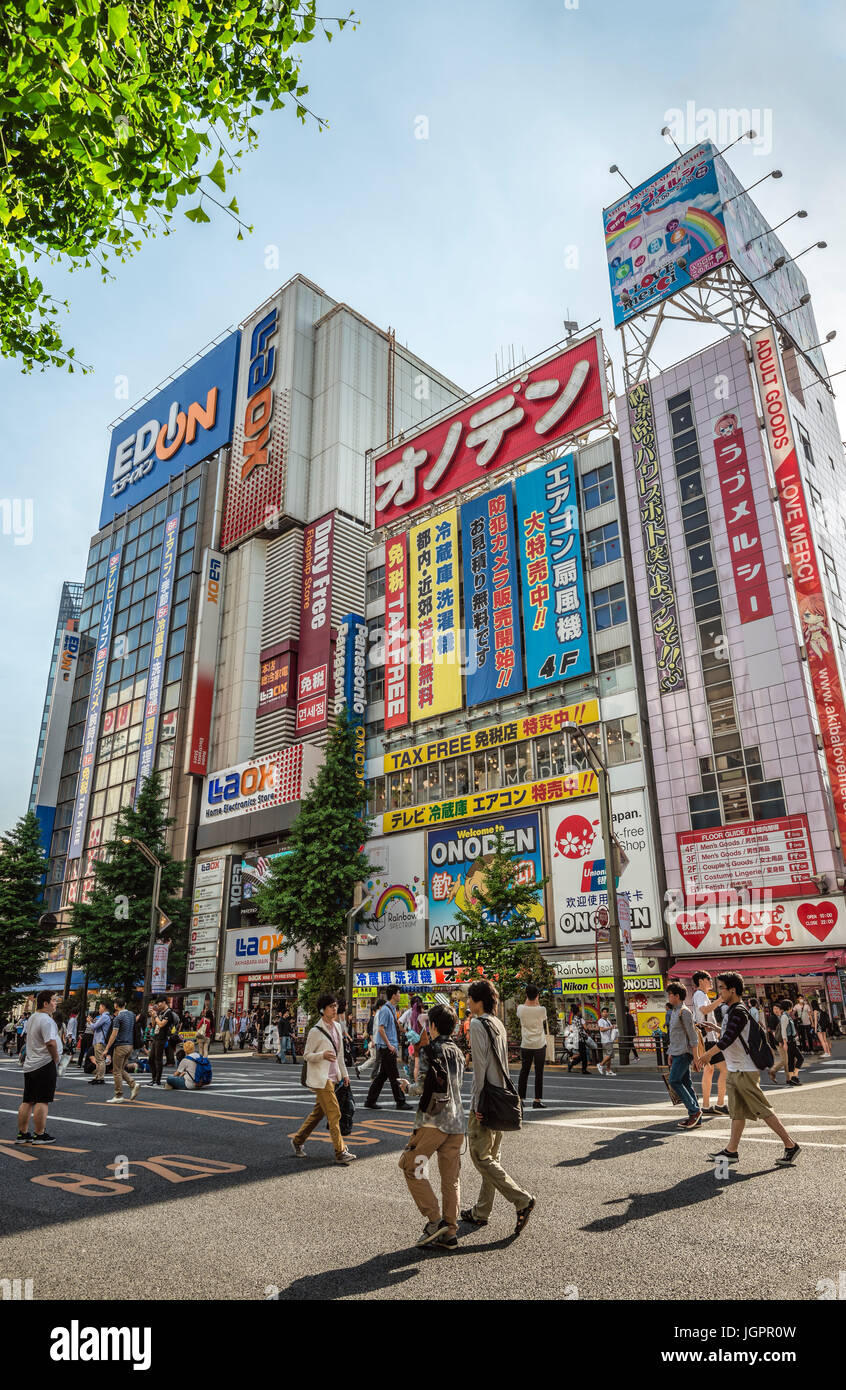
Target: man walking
[[439, 1127], [324, 1054], [285, 1028], [683, 1047], [702, 1007], [489, 1048], [608, 1035], [533, 1031], [789, 1055], [40, 1071], [745, 1097], [387, 1047], [121, 1040], [101, 1030], [227, 1028]]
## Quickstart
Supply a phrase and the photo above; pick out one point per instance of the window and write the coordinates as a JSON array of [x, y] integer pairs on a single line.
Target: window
[[400, 792], [622, 740], [618, 656], [806, 444], [375, 584], [376, 796], [609, 606], [456, 780], [816, 499], [517, 764], [604, 544], [735, 803], [841, 635], [427, 784], [681, 412], [704, 811], [831, 570], [375, 684], [598, 486]]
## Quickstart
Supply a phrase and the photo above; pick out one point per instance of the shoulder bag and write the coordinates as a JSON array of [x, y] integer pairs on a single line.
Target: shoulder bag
[[501, 1106]]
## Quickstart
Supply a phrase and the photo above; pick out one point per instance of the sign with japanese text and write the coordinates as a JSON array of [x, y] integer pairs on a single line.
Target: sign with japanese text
[[95, 703], [564, 395], [396, 887], [158, 979], [775, 855], [315, 625], [807, 583], [578, 870], [351, 682], [432, 960], [555, 618], [434, 585], [368, 981], [765, 925], [659, 575], [500, 735], [747, 552], [491, 598], [205, 661], [492, 802], [155, 674], [457, 859], [277, 672], [255, 482], [396, 632]]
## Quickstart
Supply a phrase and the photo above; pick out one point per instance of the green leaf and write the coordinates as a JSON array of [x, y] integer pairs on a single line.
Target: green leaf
[[118, 21], [197, 214], [218, 176]]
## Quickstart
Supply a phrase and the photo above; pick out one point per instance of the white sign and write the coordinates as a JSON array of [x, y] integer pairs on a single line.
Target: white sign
[[780, 926], [207, 893], [158, 983], [248, 951], [208, 871], [203, 934], [624, 913], [577, 868], [397, 888], [273, 779]]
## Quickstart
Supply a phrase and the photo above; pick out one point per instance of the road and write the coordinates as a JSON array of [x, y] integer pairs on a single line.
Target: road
[[204, 1189]]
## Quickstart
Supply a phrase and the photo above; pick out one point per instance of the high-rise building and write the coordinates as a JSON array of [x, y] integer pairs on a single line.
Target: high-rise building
[[54, 716]]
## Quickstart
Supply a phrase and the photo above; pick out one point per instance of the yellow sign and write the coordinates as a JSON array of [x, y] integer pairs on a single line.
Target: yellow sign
[[527, 796], [499, 735], [632, 984], [433, 581]]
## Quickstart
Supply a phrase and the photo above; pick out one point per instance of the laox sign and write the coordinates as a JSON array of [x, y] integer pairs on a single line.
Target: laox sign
[[248, 946], [258, 777]]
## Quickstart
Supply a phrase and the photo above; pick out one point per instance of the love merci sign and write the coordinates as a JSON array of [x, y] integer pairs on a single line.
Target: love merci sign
[[761, 925]]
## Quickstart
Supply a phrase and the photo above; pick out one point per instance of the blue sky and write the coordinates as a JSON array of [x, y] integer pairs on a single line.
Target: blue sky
[[459, 241]]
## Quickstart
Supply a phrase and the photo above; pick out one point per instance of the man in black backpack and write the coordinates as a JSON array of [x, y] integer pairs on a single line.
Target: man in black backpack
[[746, 1052], [439, 1127]]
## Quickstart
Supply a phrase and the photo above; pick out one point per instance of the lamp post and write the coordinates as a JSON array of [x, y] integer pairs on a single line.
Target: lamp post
[[351, 916], [601, 773], [154, 912]]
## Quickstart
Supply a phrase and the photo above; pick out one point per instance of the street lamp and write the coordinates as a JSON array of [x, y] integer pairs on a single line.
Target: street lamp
[[154, 911], [601, 772], [351, 916]]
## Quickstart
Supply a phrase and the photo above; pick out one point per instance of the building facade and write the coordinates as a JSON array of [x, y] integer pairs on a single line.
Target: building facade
[[54, 716]]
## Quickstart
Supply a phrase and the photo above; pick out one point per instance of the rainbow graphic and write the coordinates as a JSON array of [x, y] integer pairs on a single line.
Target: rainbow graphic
[[632, 224], [704, 228], [396, 892], [589, 1012]]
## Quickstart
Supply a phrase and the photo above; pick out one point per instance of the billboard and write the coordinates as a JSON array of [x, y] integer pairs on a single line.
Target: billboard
[[92, 713], [255, 872], [499, 802], [315, 625], [802, 554], [769, 926], [272, 779], [255, 483], [555, 620], [665, 234], [748, 566], [774, 855], [351, 680], [205, 661], [577, 869], [494, 736], [455, 864], [155, 674], [277, 674], [491, 597], [397, 891], [564, 395], [434, 585], [204, 932], [179, 426], [396, 632], [248, 949]]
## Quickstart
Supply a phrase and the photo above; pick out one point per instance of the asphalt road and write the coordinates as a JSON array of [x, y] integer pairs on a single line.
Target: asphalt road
[[204, 1188]]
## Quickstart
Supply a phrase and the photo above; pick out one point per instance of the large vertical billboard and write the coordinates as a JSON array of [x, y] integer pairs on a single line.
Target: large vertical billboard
[[155, 674], [95, 704], [491, 597], [351, 681], [434, 583], [396, 632], [205, 660], [749, 569], [555, 620], [807, 583], [315, 626], [255, 484]]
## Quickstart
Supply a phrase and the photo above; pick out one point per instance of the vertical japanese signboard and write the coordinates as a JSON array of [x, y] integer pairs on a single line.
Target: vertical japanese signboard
[[491, 601], [554, 616], [810, 600], [650, 501], [205, 657], [315, 625], [95, 703], [351, 681], [277, 667], [433, 580], [155, 674], [396, 633], [747, 552]]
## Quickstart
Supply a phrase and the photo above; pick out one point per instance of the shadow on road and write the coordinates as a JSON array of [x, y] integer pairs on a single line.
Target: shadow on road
[[381, 1273], [701, 1187], [619, 1145]]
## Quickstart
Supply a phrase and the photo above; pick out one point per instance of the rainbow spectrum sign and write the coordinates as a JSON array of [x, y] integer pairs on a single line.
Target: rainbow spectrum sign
[[666, 234]]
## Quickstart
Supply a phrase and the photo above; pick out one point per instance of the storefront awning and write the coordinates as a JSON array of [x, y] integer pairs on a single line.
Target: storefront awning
[[763, 967]]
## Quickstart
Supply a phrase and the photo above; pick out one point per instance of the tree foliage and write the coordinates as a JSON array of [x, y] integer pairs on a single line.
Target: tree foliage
[[111, 115], [113, 927], [23, 944], [498, 915]]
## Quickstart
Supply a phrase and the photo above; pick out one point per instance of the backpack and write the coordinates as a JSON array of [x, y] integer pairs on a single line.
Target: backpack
[[435, 1095], [202, 1072], [758, 1049]]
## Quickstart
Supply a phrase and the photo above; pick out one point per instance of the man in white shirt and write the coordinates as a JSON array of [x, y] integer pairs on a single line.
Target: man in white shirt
[[607, 1036], [533, 1031], [40, 1070], [702, 1008]]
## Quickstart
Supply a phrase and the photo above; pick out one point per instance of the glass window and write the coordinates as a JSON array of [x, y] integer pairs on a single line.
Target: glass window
[[171, 699], [479, 772], [186, 540], [492, 768], [182, 589], [609, 606], [375, 684], [767, 800], [735, 803], [180, 616], [806, 444], [376, 796], [189, 515], [98, 803], [701, 559], [704, 811], [830, 570], [543, 758], [375, 584], [173, 669], [517, 760], [120, 741], [604, 544], [177, 641], [690, 486], [428, 783], [105, 748], [183, 565], [192, 491], [618, 656], [598, 486], [681, 413], [164, 758], [113, 796]]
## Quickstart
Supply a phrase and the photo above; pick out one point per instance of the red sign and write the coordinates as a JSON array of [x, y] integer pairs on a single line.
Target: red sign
[[256, 476], [396, 632], [562, 396], [747, 552], [771, 854], [276, 674], [311, 714], [813, 611], [315, 623]]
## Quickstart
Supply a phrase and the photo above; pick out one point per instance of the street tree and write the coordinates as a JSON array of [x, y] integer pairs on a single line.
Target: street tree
[[112, 116], [113, 927], [310, 890], [23, 943]]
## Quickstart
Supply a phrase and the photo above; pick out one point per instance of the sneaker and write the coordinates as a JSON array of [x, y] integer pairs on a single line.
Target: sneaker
[[115, 1100], [693, 1121], [95, 1082], [345, 1159], [609, 1072], [44, 1138], [446, 1242], [786, 1160], [725, 1153], [707, 1110], [721, 1110], [600, 1069], [431, 1231], [24, 1138], [523, 1216], [134, 1089], [538, 1105], [471, 1220], [794, 1081], [299, 1151]]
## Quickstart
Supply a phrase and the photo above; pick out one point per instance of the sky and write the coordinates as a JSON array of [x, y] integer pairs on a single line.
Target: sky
[[482, 236]]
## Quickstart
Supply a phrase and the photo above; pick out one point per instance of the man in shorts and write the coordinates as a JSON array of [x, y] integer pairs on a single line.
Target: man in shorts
[[702, 1007], [746, 1100], [40, 1071]]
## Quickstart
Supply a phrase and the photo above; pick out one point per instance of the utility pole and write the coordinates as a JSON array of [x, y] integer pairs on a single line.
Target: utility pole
[[351, 916], [154, 913]]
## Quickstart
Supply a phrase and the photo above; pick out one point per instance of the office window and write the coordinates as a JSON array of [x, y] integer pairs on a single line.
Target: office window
[[622, 740], [598, 487], [767, 800], [517, 763], [609, 606], [816, 499], [618, 656], [704, 811], [604, 544], [806, 444], [375, 684], [376, 584], [376, 796], [831, 571]]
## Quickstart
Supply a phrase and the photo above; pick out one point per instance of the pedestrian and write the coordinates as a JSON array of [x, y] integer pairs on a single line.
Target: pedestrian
[[71, 1032], [631, 1032], [325, 1068], [205, 1031], [703, 1008], [86, 1042], [227, 1028], [9, 1037], [745, 1097], [20, 1032], [387, 1048], [821, 1024], [185, 1077], [789, 1055], [578, 1034], [120, 1043], [608, 1035], [489, 1046], [163, 1019], [286, 1036], [172, 1038], [534, 1027], [243, 1027], [683, 1048], [439, 1128], [40, 1069], [101, 1030], [805, 1020]]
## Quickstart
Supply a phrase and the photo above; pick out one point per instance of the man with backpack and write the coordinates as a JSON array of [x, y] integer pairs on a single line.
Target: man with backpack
[[439, 1127], [193, 1072], [747, 1054], [122, 1040]]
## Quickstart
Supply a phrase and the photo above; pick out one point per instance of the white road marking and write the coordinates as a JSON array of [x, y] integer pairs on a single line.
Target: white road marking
[[63, 1120]]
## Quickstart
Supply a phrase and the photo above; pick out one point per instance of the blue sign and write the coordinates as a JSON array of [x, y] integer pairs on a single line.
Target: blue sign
[[95, 702], [457, 859], [491, 596], [351, 680], [555, 621], [180, 426], [155, 672]]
